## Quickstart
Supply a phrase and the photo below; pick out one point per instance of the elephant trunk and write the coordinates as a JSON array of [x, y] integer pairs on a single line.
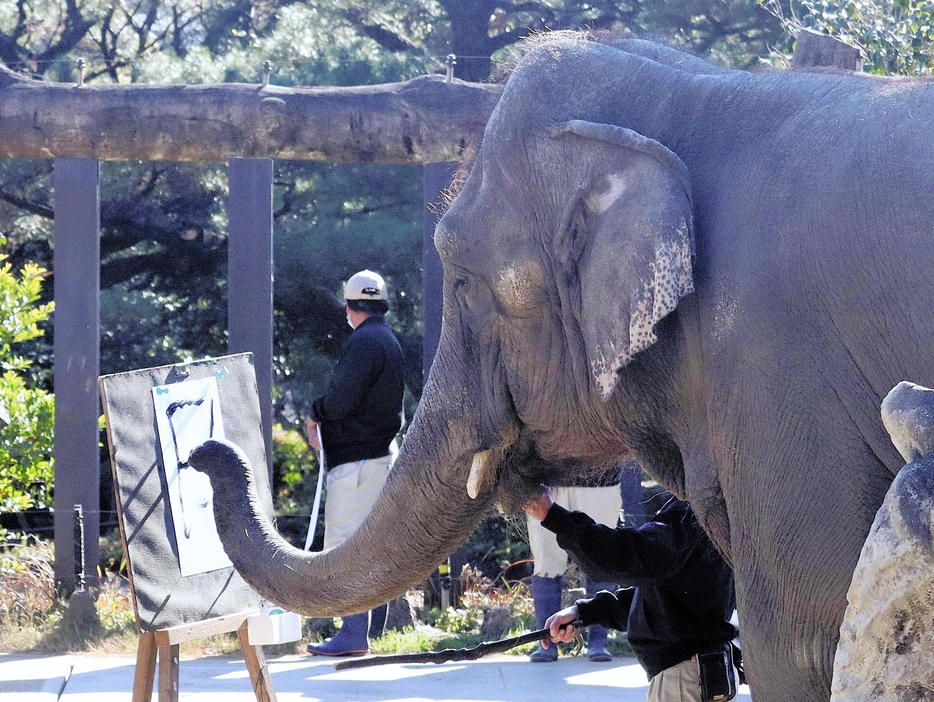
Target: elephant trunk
[[419, 519]]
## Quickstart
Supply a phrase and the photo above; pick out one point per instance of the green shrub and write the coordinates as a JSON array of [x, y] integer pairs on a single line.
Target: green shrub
[[896, 37], [32, 610], [295, 471], [416, 640], [28, 600], [26, 467]]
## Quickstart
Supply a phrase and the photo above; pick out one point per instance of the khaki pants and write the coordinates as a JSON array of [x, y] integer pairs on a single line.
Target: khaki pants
[[352, 492], [679, 683], [602, 504]]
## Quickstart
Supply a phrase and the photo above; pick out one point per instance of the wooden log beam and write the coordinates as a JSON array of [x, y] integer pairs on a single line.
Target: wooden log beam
[[424, 120]]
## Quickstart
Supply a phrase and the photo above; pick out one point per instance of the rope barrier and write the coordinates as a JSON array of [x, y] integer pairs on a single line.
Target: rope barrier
[[113, 513]]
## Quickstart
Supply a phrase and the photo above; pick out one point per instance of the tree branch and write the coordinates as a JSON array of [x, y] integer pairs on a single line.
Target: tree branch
[[36, 208], [389, 40], [9, 47], [424, 120], [511, 36], [74, 30]]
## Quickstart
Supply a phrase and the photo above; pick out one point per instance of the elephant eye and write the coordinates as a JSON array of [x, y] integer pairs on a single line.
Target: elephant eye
[[463, 291]]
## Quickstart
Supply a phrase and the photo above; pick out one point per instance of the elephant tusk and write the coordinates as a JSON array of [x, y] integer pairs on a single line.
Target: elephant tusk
[[479, 473]]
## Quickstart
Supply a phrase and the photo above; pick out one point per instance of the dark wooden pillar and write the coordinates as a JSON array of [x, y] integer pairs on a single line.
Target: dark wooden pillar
[[249, 276], [76, 263], [436, 179], [813, 49]]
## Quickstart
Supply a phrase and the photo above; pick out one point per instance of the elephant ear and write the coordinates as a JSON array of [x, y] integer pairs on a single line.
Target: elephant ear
[[630, 238]]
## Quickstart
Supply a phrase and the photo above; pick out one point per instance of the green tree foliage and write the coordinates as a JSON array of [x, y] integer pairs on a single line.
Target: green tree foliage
[[26, 442], [163, 273], [732, 32], [339, 220], [896, 36]]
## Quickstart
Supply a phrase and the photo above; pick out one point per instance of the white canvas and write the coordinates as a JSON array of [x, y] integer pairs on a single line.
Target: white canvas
[[187, 414]]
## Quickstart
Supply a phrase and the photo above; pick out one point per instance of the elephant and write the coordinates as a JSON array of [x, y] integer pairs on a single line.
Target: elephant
[[718, 273]]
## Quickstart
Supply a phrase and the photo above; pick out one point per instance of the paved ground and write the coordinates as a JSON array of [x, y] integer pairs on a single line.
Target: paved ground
[[502, 678]]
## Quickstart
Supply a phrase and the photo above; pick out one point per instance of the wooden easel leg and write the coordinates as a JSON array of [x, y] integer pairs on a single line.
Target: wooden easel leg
[[145, 673], [256, 667], [168, 673]]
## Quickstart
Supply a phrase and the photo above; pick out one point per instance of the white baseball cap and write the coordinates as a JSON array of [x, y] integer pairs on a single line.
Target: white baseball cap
[[365, 285]]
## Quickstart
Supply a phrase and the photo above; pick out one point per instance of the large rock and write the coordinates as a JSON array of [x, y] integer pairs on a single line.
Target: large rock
[[497, 621], [908, 417], [886, 649]]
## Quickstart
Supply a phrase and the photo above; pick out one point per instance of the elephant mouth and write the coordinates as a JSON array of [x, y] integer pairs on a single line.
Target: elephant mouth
[[522, 471]]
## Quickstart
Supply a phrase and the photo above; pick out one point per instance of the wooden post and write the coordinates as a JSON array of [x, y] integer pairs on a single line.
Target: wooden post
[[436, 179], [145, 674], [77, 361], [168, 673], [816, 50], [249, 276], [256, 666]]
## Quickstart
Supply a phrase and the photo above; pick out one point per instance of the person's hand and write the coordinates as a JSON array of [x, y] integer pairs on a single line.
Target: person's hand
[[563, 618], [537, 507], [311, 431]]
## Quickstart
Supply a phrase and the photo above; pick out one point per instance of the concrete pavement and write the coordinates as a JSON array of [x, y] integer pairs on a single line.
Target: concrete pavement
[[501, 678]]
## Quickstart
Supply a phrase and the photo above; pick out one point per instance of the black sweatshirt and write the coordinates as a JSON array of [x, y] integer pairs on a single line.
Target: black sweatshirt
[[683, 597], [361, 412]]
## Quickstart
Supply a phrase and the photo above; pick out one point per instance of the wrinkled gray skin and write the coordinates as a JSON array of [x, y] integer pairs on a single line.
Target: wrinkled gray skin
[[720, 273]]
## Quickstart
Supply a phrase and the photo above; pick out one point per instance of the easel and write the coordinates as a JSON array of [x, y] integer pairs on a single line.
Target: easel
[[164, 644], [171, 609]]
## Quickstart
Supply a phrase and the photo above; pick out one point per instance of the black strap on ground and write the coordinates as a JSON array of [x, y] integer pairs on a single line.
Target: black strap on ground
[[448, 654]]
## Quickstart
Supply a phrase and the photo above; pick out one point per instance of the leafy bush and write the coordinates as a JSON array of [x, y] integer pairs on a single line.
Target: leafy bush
[[895, 36], [26, 467], [294, 480], [500, 544], [27, 588], [32, 611], [295, 471]]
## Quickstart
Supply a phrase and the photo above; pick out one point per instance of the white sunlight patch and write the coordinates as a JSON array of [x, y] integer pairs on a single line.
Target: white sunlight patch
[[629, 676], [387, 673]]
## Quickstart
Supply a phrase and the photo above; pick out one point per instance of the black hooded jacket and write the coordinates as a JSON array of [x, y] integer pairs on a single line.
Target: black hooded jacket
[[683, 597]]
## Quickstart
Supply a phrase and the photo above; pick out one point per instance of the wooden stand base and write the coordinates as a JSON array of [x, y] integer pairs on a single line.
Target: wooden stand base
[[163, 644]]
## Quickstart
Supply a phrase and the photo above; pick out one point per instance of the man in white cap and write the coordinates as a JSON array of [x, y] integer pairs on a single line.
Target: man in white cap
[[360, 415]]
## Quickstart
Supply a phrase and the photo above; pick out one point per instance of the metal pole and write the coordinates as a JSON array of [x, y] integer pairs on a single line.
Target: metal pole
[[80, 572]]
